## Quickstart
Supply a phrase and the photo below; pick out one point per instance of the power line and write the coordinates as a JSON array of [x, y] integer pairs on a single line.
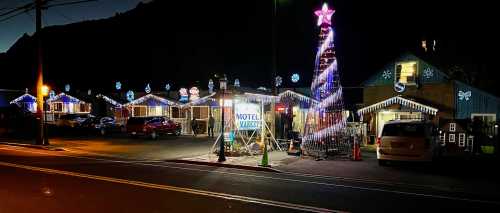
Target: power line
[[31, 6]]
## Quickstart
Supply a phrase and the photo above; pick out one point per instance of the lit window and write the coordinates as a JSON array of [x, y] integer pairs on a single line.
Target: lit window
[[453, 127], [451, 138], [461, 139], [406, 73], [442, 139]]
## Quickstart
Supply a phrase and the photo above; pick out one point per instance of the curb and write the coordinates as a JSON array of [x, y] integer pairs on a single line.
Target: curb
[[234, 166], [50, 148]]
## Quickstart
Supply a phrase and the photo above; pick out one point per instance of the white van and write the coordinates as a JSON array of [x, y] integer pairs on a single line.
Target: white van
[[407, 140]]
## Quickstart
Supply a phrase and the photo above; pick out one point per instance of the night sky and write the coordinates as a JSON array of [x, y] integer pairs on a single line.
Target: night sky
[[368, 33]]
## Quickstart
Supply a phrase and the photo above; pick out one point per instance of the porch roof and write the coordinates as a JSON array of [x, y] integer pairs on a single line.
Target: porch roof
[[150, 96], [64, 98], [26, 98], [398, 100], [109, 100]]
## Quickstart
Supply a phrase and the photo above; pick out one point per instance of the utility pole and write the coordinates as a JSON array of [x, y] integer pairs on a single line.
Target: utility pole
[[39, 83]]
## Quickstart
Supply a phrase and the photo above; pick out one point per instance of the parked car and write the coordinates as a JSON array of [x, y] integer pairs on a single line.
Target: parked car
[[407, 140], [104, 125], [152, 126], [72, 120]]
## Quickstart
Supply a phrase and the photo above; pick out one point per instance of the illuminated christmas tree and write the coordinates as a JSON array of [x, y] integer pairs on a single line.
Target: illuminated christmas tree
[[325, 120]]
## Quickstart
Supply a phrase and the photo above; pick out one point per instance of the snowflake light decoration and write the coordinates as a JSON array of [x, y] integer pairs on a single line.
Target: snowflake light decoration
[[428, 72], [278, 81], [147, 89], [130, 95], [52, 94], [118, 85], [237, 82], [386, 74], [210, 86], [167, 87], [295, 78], [67, 87]]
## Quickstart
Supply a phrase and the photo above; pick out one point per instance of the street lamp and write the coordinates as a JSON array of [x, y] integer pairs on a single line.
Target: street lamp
[[45, 93], [223, 87]]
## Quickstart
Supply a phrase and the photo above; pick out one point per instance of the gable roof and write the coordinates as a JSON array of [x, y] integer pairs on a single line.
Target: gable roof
[[427, 73], [148, 97], [109, 100], [63, 97], [26, 98]]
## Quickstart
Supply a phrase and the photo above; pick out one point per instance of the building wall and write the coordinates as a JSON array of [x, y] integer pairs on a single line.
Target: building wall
[[478, 102]]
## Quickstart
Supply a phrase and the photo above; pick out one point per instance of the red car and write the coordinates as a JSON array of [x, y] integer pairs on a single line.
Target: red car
[[152, 126]]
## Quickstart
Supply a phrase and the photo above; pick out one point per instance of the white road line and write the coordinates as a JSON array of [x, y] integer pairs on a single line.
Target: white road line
[[176, 189], [280, 179]]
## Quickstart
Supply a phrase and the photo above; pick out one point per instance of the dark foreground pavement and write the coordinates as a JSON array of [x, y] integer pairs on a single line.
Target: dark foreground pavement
[[50, 181]]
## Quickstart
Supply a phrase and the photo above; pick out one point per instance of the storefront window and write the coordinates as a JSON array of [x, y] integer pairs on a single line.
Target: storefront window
[[406, 73]]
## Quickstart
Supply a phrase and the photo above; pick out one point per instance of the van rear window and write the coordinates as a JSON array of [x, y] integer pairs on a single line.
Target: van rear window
[[403, 129]]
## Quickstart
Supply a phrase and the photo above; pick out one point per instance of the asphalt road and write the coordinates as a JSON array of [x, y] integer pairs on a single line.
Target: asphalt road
[[34, 180]]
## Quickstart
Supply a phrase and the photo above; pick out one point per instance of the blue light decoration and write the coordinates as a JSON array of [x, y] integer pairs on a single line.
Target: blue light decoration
[[386, 74], [118, 85], [295, 78], [67, 87], [399, 87], [147, 89], [130, 95], [237, 82], [183, 94], [167, 87], [464, 95], [278, 81], [210, 86], [325, 122], [52, 94]]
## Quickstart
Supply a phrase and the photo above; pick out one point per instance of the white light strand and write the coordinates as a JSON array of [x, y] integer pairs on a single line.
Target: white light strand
[[326, 132], [295, 95], [199, 101], [323, 76], [259, 97], [109, 100], [327, 43], [72, 99], [331, 99], [398, 100], [144, 98]]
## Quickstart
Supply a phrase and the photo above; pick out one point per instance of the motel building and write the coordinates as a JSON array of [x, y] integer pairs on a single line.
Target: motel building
[[409, 88]]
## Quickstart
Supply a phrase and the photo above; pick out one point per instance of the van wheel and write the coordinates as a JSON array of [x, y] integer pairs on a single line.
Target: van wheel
[[154, 135], [177, 132], [382, 162]]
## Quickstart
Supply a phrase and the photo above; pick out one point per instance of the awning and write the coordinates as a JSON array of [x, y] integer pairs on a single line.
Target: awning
[[398, 100]]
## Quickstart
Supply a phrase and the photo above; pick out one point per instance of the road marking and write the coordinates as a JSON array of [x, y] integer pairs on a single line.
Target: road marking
[[277, 178], [176, 189]]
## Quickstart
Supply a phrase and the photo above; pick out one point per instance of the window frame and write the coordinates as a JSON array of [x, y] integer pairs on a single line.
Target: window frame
[[397, 80]]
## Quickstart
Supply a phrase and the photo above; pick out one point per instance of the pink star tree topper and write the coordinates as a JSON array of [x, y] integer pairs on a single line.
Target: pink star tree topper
[[324, 15]]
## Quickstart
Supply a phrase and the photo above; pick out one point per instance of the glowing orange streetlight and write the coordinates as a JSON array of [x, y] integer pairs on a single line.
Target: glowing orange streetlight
[[45, 90]]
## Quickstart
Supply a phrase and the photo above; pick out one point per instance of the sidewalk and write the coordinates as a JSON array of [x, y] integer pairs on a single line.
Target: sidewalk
[[29, 144], [275, 159]]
